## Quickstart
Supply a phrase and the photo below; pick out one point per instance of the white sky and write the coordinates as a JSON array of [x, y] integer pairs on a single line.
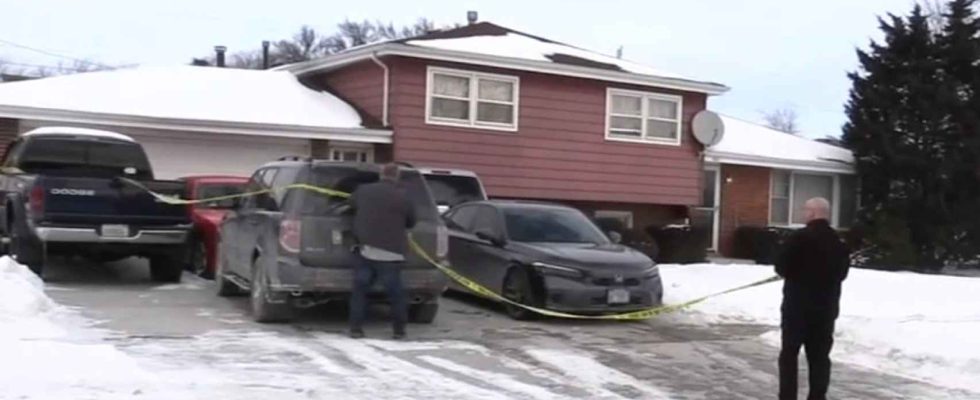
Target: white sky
[[772, 53]]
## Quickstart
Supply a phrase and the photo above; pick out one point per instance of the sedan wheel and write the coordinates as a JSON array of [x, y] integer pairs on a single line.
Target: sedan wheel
[[517, 288]]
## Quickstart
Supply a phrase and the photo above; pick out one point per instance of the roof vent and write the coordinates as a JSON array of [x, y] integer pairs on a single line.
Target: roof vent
[[471, 17]]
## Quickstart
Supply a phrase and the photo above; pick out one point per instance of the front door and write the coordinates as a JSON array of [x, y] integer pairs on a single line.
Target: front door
[[710, 208]]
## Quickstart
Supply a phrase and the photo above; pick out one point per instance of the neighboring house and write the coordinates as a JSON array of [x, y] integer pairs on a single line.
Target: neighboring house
[[536, 119], [758, 176], [193, 120]]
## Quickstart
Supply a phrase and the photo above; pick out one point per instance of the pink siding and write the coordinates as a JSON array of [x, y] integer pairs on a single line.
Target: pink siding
[[559, 152], [361, 85]]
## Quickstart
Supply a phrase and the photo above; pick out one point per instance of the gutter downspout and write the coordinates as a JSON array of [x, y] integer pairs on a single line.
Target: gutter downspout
[[384, 98]]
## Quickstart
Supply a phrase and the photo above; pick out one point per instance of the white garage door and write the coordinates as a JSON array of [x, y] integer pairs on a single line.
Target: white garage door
[[174, 154], [208, 153]]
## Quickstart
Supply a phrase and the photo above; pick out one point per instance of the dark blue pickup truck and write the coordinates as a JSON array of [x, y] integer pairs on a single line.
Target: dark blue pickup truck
[[61, 194]]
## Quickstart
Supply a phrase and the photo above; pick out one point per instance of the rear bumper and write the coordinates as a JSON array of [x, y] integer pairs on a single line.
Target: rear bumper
[[573, 296], [173, 235], [428, 282]]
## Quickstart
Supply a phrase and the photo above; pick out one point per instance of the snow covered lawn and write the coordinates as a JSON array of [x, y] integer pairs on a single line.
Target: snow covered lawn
[[919, 326]]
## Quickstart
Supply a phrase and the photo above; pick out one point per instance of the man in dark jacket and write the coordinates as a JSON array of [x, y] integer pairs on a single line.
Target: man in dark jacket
[[382, 215], [813, 262]]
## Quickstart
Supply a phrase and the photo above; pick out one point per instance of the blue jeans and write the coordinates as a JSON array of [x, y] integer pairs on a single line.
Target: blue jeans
[[390, 274]]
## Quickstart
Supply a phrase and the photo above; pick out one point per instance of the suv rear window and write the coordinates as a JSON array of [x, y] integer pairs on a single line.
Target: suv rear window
[[347, 179], [452, 190], [83, 157]]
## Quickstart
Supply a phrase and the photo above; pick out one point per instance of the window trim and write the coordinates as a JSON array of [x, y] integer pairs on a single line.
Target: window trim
[[834, 200], [473, 100], [644, 116]]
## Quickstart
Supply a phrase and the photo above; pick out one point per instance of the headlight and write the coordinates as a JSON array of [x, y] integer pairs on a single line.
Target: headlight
[[651, 272], [552, 269]]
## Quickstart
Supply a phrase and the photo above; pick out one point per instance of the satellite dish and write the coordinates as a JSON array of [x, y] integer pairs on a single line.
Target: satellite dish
[[708, 128]]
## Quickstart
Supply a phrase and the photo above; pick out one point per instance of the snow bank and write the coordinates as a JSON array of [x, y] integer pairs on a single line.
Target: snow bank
[[920, 326], [46, 353]]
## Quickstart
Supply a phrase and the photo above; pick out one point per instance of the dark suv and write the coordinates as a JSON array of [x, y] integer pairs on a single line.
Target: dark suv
[[292, 247]]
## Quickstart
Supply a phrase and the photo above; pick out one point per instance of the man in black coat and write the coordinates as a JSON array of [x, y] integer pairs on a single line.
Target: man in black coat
[[383, 214], [813, 263]]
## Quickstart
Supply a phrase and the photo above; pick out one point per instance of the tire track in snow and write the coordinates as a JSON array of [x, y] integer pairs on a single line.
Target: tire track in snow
[[398, 378], [588, 371], [503, 381]]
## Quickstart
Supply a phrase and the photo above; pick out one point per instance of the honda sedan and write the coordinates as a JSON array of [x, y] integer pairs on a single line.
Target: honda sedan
[[549, 256]]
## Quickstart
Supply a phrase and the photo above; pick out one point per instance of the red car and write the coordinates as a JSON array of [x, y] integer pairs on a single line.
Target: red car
[[207, 217]]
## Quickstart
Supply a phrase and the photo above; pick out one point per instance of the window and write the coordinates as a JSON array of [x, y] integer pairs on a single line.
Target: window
[[463, 217], [472, 99], [779, 201], [486, 219], [643, 117], [624, 217], [790, 190], [364, 155]]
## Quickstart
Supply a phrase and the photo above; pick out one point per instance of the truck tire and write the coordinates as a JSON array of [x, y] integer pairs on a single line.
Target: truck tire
[[166, 268], [424, 313], [268, 306], [27, 250]]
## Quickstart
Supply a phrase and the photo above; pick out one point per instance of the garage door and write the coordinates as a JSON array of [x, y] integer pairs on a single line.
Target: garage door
[[207, 153]]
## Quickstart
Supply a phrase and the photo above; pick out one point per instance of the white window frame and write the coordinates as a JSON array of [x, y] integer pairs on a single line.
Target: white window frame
[[473, 99], [367, 151], [834, 200], [617, 214], [644, 116]]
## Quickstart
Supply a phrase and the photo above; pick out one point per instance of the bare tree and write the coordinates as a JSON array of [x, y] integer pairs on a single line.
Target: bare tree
[[783, 119], [305, 45]]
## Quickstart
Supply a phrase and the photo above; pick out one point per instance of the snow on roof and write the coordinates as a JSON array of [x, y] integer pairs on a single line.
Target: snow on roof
[[512, 48], [65, 130], [753, 144], [186, 93], [491, 39]]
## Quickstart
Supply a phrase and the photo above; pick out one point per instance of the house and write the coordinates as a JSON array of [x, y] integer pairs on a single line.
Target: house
[[759, 177], [536, 119], [192, 120]]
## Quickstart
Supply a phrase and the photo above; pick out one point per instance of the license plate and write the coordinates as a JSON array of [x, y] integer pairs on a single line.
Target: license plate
[[619, 296], [115, 231]]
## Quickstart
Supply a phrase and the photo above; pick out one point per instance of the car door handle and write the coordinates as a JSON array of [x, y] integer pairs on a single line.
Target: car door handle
[[253, 222]]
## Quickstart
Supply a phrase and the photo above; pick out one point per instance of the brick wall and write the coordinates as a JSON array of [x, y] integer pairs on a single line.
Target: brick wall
[[9, 129], [744, 201]]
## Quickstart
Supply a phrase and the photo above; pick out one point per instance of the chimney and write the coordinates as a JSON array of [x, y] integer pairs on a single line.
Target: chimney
[[619, 52], [471, 17], [219, 52], [265, 54]]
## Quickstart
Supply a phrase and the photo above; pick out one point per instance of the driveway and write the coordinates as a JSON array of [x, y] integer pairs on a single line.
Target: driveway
[[203, 346]]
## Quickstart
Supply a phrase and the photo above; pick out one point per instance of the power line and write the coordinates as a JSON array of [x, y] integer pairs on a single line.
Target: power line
[[9, 43]]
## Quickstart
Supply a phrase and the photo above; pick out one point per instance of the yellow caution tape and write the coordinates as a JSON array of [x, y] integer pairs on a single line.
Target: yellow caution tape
[[460, 279]]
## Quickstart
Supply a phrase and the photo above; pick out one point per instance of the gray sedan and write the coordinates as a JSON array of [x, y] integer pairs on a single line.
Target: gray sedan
[[549, 256]]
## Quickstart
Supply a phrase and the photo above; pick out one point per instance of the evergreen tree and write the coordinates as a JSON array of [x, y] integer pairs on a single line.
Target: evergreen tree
[[897, 128], [959, 43]]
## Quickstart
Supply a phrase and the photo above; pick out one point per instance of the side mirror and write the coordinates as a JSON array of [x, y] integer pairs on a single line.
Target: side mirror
[[491, 237], [615, 237]]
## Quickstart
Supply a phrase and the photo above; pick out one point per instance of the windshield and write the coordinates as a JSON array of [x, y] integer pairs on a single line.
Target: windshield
[[551, 225], [73, 157], [347, 179], [212, 190], [452, 190]]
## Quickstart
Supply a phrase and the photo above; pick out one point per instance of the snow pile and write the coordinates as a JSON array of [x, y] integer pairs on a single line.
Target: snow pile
[[46, 353], [920, 326]]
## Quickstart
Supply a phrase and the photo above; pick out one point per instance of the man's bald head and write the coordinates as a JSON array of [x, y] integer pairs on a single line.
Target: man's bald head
[[816, 208]]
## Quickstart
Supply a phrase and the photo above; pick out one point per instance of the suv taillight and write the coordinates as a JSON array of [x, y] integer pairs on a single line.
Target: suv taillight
[[442, 242], [36, 201], [290, 235]]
